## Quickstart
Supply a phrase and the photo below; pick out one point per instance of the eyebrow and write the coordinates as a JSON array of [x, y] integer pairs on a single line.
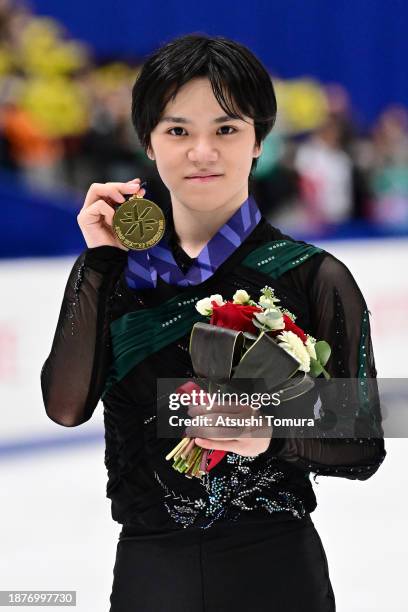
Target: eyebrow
[[221, 119]]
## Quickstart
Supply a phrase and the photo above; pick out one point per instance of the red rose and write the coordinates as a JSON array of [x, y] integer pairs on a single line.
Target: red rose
[[291, 326], [234, 316]]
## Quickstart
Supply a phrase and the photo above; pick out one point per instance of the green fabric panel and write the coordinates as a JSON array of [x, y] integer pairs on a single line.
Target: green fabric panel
[[277, 257], [141, 333]]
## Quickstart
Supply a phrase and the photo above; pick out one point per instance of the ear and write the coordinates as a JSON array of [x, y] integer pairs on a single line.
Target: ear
[[149, 153], [258, 150]]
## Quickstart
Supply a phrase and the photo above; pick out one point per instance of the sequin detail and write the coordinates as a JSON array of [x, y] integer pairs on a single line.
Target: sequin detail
[[362, 370], [287, 254], [149, 419], [80, 277], [226, 496], [77, 289]]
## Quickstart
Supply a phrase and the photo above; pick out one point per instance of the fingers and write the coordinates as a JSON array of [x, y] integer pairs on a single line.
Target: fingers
[[114, 191], [219, 423], [227, 445], [96, 210], [216, 432], [246, 448]]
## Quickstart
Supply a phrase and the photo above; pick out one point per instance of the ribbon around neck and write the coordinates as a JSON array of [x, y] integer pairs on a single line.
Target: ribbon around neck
[[143, 267]]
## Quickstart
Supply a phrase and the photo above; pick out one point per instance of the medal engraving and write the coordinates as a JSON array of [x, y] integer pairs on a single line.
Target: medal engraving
[[138, 223]]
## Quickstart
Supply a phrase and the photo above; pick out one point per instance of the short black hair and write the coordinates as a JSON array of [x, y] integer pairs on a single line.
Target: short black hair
[[231, 68]]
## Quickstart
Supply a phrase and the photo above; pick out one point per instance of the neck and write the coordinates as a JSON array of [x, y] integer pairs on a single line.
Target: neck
[[195, 228]]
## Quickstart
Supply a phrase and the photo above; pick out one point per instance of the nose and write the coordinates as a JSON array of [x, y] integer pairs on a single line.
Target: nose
[[203, 151]]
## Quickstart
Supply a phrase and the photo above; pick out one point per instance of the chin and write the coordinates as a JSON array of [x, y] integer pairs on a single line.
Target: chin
[[203, 204], [202, 193]]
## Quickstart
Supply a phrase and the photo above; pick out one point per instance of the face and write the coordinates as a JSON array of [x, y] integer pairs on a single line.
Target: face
[[195, 137]]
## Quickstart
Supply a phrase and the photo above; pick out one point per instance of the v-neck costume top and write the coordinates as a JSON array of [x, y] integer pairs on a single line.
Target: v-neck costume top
[[82, 368]]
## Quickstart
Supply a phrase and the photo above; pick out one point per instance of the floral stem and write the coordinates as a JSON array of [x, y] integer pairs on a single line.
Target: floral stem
[[188, 448], [179, 446], [180, 450], [196, 454]]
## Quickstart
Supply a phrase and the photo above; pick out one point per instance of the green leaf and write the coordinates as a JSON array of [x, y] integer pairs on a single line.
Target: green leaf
[[326, 374], [323, 351], [316, 367]]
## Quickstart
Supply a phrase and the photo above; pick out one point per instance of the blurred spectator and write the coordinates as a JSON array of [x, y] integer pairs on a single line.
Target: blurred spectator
[[389, 169], [326, 175], [32, 150], [275, 184]]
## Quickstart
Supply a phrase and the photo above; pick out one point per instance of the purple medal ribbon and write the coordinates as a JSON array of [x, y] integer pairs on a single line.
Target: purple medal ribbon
[[144, 266]]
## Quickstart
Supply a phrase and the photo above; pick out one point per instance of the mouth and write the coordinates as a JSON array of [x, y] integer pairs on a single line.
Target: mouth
[[204, 179]]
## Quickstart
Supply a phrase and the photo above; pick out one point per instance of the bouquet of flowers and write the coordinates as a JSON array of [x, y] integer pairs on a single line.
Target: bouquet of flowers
[[248, 340]]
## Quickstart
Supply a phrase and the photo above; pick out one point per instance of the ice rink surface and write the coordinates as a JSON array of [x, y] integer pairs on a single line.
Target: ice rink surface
[[56, 531]]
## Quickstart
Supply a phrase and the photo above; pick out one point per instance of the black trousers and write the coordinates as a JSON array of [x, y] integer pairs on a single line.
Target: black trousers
[[274, 565]]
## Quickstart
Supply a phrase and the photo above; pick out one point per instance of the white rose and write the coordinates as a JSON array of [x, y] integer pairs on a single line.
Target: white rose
[[241, 297], [204, 306], [310, 346], [295, 347], [217, 298]]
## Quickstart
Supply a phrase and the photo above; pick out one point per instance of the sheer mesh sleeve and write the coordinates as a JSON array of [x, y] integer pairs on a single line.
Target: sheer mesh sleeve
[[340, 316], [73, 375]]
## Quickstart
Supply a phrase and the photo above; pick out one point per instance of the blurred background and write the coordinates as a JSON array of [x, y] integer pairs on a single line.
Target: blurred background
[[334, 171]]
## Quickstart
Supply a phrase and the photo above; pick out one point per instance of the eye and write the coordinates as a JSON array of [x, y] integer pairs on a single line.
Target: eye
[[228, 127], [175, 128]]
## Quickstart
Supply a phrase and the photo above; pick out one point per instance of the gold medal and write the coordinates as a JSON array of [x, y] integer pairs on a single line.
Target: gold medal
[[138, 223]]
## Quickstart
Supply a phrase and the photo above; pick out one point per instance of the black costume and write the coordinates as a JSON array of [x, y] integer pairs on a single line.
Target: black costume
[[244, 539]]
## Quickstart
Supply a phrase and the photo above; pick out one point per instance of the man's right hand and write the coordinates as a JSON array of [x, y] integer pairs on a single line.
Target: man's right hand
[[95, 217]]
